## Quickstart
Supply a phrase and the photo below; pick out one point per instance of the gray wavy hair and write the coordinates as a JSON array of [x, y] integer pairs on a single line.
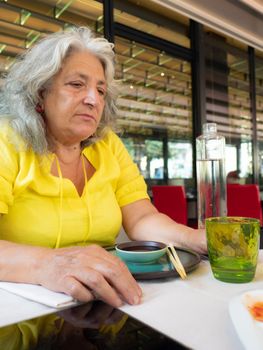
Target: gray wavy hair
[[34, 71]]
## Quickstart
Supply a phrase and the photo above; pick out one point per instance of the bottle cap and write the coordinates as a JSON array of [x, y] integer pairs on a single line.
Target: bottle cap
[[209, 128]]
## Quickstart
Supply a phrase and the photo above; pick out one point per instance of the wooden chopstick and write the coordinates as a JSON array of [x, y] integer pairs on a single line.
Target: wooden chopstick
[[174, 263], [177, 258], [174, 258]]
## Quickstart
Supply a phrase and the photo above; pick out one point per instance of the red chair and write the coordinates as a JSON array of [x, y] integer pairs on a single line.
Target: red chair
[[171, 200], [244, 200]]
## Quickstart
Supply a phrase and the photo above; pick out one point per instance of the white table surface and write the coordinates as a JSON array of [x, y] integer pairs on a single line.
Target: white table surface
[[193, 312]]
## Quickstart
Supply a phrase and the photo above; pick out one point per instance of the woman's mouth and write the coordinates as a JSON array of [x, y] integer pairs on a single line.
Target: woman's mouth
[[86, 117]]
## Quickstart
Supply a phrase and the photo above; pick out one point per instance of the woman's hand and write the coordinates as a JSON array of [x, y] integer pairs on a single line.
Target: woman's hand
[[88, 273]]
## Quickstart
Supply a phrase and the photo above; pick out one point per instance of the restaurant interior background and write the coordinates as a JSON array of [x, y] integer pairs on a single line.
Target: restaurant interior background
[[182, 63]]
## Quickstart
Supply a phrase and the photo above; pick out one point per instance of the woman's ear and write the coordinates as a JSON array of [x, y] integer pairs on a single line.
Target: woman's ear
[[40, 105], [41, 94], [40, 109]]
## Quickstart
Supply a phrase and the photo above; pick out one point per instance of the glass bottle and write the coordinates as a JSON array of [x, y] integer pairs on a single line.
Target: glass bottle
[[211, 176]]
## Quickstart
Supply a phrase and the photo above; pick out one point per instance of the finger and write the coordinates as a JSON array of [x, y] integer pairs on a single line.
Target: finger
[[126, 286], [83, 267], [125, 270], [120, 278], [96, 283], [99, 259], [74, 288]]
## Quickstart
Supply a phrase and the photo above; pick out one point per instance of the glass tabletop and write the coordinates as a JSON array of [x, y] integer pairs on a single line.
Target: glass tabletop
[[90, 326]]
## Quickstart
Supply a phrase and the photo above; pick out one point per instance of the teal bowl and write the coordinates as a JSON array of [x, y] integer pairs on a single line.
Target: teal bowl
[[140, 251]]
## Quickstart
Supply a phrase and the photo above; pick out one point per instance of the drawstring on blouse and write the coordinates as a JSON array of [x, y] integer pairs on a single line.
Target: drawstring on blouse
[[60, 220], [60, 202]]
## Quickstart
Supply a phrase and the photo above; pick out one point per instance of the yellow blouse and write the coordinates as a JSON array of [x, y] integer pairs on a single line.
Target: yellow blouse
[[42, 209]]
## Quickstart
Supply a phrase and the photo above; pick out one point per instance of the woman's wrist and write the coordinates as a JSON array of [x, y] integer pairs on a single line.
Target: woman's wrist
[[191, 238], [39, 259], [198, 241]]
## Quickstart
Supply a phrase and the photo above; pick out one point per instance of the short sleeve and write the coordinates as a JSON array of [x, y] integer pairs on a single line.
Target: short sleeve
[[8, 169], [130, 185]]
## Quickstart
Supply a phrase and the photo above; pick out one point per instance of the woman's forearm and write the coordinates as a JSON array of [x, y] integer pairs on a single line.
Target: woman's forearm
[[21, 263], [82, 272], [142, 221], [159, 227]]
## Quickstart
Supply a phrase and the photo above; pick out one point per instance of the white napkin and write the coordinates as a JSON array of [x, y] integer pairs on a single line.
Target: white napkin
[[39, 294]]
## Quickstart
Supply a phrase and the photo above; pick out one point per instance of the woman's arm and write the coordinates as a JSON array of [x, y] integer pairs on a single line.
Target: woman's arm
[[142, 221], [84, 273]]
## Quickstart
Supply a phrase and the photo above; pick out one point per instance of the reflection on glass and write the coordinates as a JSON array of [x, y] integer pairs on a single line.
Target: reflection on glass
[[231, 159], [246, 161], [155, 91], [83, 327], [154, 152], [228, 97], [180, 160], [152, 18], [259, 108], [92, 326], [155, 107], [232, 173], [148, 155], [19, 32]]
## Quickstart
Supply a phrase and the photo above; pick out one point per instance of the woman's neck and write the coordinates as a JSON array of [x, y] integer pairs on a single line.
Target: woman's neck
[[65, 151], [68, 155]]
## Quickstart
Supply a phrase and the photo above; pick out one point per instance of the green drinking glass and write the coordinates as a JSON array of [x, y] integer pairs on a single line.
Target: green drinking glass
[[233, 245]]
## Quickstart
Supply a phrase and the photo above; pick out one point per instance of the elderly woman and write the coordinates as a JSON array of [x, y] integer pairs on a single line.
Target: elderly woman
[[66, 180]]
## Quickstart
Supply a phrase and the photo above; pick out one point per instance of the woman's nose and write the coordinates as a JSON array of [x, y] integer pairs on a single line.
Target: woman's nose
[[90, 97]]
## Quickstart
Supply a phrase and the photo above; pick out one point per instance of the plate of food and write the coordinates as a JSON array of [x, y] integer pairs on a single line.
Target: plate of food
[[246, 312]]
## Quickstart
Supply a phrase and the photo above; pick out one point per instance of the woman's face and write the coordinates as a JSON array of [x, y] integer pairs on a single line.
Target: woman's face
[[74, 102]]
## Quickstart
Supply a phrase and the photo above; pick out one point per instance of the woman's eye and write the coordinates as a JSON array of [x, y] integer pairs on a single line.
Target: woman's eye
[[101, 92], [76, 84]]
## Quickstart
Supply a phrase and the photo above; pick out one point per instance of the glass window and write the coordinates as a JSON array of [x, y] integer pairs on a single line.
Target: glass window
[[148, 155], [231, 159], [259, 108], [155, 107], [25, 22], [245, 167], [152, 18], [180, 160], [156, 90], [228, 97], [154, 158]]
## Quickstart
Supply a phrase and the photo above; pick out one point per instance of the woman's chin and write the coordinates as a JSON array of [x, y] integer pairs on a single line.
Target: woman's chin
[[83, 135]]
